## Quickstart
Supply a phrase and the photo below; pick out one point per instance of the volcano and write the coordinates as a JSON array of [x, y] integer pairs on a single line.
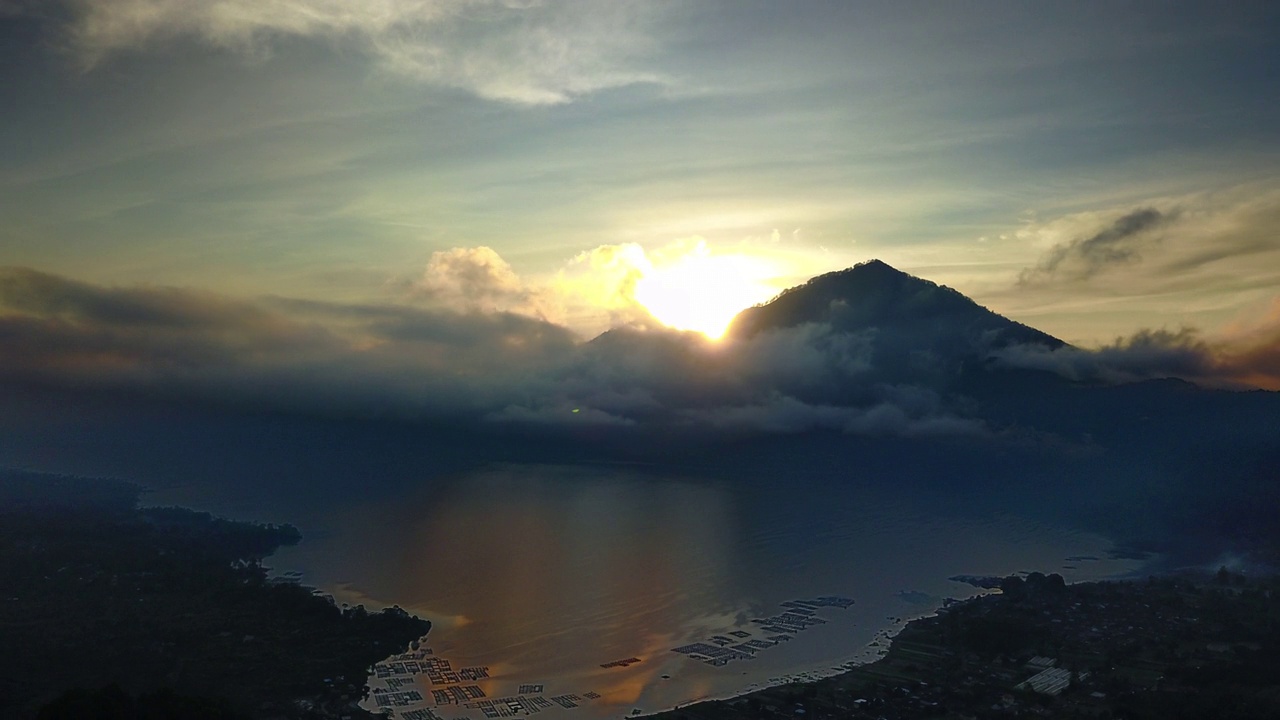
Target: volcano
[[919, 331]]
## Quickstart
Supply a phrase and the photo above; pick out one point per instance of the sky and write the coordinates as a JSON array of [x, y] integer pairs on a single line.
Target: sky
[[314, 176]]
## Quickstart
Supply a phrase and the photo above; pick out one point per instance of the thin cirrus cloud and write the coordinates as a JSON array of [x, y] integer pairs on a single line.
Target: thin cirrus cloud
[[530, 53]]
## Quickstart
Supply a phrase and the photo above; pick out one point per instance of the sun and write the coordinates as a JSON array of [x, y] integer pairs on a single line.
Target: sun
[[702, 292]]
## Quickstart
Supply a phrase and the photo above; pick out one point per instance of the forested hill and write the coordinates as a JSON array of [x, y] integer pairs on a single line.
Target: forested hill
[[168, 608]]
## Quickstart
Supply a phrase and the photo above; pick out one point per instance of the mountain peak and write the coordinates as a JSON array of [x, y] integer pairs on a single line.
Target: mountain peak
[[913, 314], [876, 264]]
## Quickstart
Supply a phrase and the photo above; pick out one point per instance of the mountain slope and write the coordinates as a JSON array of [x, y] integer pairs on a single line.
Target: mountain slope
[[874, 295], [918, 331]]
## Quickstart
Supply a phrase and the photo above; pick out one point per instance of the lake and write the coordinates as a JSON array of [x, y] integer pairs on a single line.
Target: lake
[[542, 574]]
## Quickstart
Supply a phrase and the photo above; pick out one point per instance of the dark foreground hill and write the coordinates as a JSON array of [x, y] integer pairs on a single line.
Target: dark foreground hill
[[166, 611]]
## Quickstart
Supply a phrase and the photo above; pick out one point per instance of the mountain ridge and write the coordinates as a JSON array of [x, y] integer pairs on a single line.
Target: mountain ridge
[[879, 285], [914, 331]]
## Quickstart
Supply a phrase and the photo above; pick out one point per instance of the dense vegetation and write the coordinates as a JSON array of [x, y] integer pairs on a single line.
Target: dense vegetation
[[172, 606]]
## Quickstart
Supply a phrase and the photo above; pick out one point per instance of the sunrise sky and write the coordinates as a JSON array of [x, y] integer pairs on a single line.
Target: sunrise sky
[[1091, 169]]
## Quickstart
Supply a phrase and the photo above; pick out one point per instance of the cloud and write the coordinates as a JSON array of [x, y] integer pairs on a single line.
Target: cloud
[[68, 321], [598, 287], [1200, 237], [1252, 347], [1080, 259], [1207, 256], [472, 363], [477, 280], [787, 415], [299, 355], [1146, 354], [557, 415], [523, 52], [477, 365], [594, 291], [1243, 360], [779, 414]]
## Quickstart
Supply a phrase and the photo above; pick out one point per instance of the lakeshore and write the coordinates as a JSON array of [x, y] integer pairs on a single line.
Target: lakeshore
[[1181, 646], [544, 574], [422, 685]]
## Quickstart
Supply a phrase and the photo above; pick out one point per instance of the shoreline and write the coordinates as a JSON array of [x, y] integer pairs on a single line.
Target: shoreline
[[873, 636], [888, 636], [1109, 645], [885, 636]]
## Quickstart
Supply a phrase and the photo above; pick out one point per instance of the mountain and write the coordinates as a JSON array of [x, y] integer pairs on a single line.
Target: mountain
[[918, 330], [874, 295], [911, 332], [1194, 467]]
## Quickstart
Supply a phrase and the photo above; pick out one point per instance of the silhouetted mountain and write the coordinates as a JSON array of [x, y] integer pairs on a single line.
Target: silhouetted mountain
[[916, 330], [874, 296]]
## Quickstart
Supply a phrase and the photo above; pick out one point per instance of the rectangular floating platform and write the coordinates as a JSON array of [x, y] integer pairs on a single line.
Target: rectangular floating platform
[[566, 701]]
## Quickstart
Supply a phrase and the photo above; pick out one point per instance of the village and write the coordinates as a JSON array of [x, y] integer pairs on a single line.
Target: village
[[1167, 647], [400, 697], [796, 616]]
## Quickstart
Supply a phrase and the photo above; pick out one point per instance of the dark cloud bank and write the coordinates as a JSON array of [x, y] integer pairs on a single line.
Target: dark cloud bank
[[868, 351], [864, 373]]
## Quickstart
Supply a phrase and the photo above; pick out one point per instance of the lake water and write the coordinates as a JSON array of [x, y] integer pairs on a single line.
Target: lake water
[[544, 574]]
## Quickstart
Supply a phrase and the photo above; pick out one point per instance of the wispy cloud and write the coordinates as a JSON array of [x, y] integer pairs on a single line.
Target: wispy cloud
[[1245, 361], [1160, 238], [1197, 259], [523, 52], [1081, 258]]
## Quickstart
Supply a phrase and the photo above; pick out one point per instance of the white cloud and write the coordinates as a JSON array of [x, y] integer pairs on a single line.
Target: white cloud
[[478, 280], [592, 292], [523, 52]]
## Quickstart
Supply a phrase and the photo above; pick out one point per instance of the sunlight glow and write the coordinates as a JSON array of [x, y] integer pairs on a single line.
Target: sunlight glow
[[703, 292]]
